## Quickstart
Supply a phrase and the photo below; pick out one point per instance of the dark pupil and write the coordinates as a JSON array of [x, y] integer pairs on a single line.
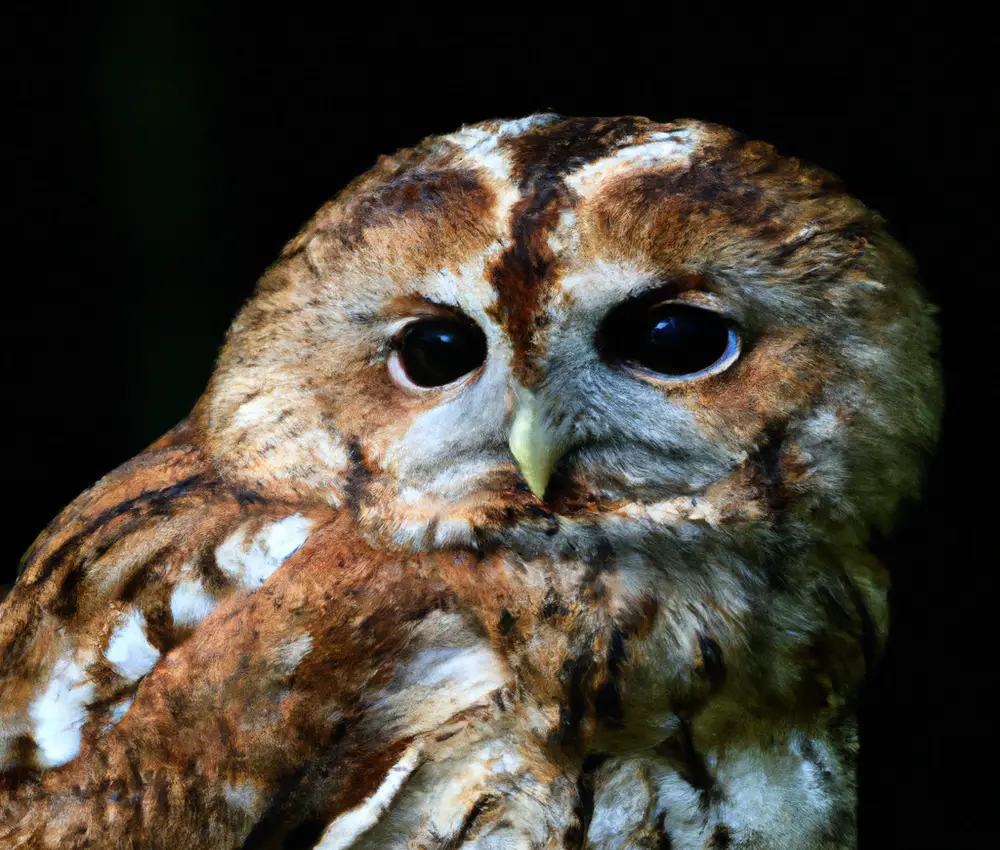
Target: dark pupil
[[673, 339], [439, 351]]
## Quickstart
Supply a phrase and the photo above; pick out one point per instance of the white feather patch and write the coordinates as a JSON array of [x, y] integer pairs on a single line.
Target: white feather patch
[[437, 684], [60, 711], [520, 126], [663, 148], [244, 798], [621, 803], [129, 651], [253, 412], [252, 563], [190, 603], [350, 826], [119, 710]]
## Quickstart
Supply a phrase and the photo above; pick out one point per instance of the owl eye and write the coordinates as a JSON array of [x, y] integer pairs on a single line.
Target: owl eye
[[674, 340], [435, 352]]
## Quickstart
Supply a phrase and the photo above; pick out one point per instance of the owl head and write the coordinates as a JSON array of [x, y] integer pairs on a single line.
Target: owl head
[[555, 331]]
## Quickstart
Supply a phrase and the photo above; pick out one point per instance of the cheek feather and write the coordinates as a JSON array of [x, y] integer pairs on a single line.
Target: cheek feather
[[254, 412], [277, 437], [776, 378]]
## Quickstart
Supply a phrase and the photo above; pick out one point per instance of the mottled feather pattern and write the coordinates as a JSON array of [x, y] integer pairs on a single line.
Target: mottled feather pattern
[[328, 610], [127, 572]]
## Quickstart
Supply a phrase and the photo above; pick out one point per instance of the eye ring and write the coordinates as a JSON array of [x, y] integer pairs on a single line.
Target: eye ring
[[734, 347], [436, 353], [671, 342]]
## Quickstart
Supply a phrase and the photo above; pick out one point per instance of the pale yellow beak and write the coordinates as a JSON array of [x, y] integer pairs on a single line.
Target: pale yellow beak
[[535, 443]]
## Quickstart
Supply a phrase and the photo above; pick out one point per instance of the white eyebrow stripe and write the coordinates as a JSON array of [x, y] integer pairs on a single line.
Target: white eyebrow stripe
[[674, 148], [520, 126], [481, 149]]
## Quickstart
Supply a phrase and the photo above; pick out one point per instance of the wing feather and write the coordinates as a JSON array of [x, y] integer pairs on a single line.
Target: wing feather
[[122, 576], [301, 685], [183, 661]]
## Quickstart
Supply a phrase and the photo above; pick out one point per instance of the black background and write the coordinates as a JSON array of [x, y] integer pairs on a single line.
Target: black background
[[164, 154]]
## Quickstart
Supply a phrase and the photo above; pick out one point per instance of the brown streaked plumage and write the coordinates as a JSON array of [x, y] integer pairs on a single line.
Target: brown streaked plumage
[[560, 599]]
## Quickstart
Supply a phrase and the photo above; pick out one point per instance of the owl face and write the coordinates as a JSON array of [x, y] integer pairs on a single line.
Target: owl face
[[553, 331]]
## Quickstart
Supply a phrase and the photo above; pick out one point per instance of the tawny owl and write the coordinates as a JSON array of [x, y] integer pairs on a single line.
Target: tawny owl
[[528, 506]]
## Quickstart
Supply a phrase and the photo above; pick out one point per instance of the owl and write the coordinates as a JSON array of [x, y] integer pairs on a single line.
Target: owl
[[528, 506]]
